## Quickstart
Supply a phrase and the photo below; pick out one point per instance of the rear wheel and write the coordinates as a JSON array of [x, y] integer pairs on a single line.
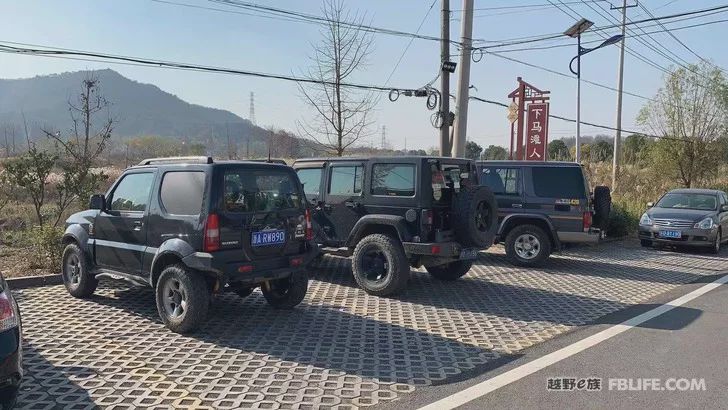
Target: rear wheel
[[646, 243], [76, 277], [183, 298], [380, 265], [8, 397], [288, 292], [527, 245], [450, 271]]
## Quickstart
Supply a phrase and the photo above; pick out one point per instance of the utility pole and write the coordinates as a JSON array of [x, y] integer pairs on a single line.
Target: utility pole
[[616, 156], [461, 120], [445, 80]]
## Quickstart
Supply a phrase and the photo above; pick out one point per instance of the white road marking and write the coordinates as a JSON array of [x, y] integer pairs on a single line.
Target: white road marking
[[490, 385]]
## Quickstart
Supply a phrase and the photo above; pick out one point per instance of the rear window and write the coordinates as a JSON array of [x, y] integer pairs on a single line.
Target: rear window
[[181, 192], [558, 182], [393, 179], [260, 190]]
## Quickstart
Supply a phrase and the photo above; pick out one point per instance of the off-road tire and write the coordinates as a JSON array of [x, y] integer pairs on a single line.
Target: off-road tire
[[288, 292], [85, 283], [197, 302], [398, 268], [646, 243], [8, 397], [450, 271], [469, 229], [543, 240], [602, 207]]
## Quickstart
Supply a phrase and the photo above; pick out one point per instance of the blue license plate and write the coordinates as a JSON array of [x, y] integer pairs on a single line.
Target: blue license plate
[[671, 234], [265, 238]]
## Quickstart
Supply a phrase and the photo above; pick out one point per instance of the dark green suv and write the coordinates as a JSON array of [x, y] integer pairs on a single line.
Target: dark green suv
[[544, 205]]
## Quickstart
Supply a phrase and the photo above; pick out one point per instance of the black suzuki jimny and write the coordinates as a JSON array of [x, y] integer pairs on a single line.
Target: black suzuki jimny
[[191, 227]]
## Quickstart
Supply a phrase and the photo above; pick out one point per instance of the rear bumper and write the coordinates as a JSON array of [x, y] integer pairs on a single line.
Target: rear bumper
[[689, 237], [253, 271], [437, 249]]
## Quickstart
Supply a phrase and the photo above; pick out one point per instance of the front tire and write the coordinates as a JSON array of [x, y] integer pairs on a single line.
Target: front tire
[[646, 243], [715, 249], [183, 298], [450, 271], [288, 292], [75, 273], [380, 265], [527, 245]]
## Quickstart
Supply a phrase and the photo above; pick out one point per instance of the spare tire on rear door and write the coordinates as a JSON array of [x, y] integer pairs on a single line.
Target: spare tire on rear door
[[475, 216], [602, 206]]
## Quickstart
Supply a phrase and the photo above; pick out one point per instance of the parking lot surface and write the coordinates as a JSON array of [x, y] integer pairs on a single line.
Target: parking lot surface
[[341, 348]]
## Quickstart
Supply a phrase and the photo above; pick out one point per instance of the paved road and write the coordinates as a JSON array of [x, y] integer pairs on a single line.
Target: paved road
[[341, 348]]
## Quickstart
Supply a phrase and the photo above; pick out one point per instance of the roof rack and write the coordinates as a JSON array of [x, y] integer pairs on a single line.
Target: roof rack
[[201, 159]]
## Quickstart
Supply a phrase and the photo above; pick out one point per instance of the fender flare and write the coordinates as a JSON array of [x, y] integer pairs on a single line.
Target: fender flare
[[173, 246], [544, 219], [398, 222], [75, 232]]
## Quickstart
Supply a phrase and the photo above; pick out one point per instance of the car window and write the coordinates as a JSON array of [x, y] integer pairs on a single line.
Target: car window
[[311, 180], [706, 202], [558, 182], [502, 181], [346, 180], [132, 193], [260, 190], [393, 179], [181, 192]]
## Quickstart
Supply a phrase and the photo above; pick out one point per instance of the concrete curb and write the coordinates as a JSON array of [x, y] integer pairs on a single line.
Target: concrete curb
[[34, 281]]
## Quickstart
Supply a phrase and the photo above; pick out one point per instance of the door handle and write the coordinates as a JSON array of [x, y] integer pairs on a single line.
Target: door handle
[[327, 207], [517, 205], [138, 225], [351, 204]]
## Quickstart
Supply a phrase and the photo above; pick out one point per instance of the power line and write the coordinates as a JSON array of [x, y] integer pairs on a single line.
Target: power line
[[399, 60], [523, 6]]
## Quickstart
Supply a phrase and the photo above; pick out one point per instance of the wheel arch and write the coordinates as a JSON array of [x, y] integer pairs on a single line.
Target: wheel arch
[[379, 224], [514, 220], [171, 252]]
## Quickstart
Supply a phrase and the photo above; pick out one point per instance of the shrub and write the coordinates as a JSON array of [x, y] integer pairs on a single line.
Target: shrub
[[622, 222], [45, 241]]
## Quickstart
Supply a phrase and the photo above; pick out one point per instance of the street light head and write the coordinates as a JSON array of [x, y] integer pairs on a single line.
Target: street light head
[[612, 40], [578, 28], [449, 66]]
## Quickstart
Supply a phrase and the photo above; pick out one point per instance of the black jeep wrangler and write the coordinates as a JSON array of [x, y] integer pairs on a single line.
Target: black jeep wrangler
[[391, 213], [191, 227], [544, 205]]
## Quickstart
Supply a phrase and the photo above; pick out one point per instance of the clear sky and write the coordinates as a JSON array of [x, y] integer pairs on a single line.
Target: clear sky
[[145, 28]]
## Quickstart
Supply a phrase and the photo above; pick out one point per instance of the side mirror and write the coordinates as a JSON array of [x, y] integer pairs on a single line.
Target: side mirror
[[724, 208], [97, 201], [650, 204]]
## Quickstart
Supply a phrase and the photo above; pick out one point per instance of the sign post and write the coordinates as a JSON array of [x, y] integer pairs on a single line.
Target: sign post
[[526, 93]]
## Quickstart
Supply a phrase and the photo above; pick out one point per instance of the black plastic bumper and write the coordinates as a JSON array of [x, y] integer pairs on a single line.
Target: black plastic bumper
[[443, 249]]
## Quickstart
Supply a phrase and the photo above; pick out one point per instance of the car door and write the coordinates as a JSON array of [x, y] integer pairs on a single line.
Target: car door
[[120, 229], [312, 177], [342, 206], [505, 182], [559, 192]]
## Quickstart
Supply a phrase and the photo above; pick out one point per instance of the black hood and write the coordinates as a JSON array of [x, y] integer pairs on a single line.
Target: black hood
[[684, 214]]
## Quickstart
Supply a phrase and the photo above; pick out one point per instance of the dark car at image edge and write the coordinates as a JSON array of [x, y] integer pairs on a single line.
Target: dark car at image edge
[[11, 351], [192, 227]]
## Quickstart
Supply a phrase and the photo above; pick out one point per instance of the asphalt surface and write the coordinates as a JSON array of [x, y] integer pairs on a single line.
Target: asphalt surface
[[688, 342]]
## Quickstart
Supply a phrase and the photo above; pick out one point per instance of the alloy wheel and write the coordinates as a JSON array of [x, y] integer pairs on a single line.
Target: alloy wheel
[[527, 246], [175, 298]]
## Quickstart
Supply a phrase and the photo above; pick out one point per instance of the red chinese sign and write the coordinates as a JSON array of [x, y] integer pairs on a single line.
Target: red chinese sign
[[537, 131]]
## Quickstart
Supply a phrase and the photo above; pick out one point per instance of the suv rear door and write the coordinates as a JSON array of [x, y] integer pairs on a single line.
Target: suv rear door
[[120, 231], [560, 192], [342, 205]]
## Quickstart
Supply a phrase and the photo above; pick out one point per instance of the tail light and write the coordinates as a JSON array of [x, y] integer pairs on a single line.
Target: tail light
[[296, 262], [8, 317], [212, 233], [587, 221], [309, 226]]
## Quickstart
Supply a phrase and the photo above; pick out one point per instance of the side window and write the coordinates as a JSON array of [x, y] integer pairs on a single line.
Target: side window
[[502, 181], [182, 191], [559, 182], [393, 179], [132, 193], [311, 180], [346, 180]]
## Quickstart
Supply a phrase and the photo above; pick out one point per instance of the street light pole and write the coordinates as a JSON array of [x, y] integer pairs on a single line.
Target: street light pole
[[445, 80]]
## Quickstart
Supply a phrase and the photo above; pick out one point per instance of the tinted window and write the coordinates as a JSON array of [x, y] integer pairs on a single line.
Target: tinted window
[[181, 192], [311, 180], [132, 193], [688, 201], [393, 179], [260, 190], [558, 182], [346, 180], [502, 181]]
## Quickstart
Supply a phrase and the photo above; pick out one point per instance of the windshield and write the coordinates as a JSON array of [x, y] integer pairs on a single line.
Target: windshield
[[705, 202], [262, 190]]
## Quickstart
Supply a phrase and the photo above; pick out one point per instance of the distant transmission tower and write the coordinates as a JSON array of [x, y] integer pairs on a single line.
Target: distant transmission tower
[[251, 116], [384, 137]]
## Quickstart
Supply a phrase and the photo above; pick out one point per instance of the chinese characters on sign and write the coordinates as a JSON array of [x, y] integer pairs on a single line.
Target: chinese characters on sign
[[537, 125]]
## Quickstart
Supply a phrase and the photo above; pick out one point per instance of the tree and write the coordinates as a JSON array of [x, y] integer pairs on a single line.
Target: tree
[[495, 153], [84, 144], [342, 115], [602, 151], [472, 150], [635, 148], [690, 110], [27, 175], [558, 151]]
